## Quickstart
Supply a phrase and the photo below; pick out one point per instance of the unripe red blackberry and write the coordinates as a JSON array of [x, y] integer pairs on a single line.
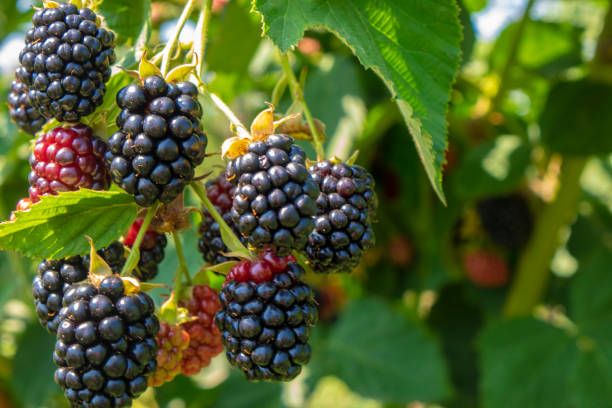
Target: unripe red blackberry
[[220, 192], [160, 140], [66, 159], [66, 62], [106, 348], [266, 318], [20, 109], [275, 196], [204, 336], [171, 341], [151, 250], [486, 269], [506, 219], [346, 206]]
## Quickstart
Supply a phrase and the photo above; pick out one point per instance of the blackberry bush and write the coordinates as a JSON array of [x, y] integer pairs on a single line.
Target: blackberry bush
[[20, 109], [266, 318], [65, 159], [275, 195], [204, 336], [66, 62], [160, 140], [151, 250], [220, 192], [345, 208], [506, 219], [106, 348]]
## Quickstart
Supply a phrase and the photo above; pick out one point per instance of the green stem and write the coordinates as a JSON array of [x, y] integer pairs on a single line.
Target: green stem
[[135, 252], [298, 95], [514, 46], [533, 270], [183, 269], [239, 128], [201, 36], [166, 54], [279, 90]]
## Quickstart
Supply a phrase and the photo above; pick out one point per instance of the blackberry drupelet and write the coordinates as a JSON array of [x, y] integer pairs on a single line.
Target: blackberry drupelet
[[346, 206], [65, 159], [220, 192], [66, 62], [160, 140], [20, 109], [506, 219], [266, 318], [204, 336], [106, 348], [275, 196], [151, 250]]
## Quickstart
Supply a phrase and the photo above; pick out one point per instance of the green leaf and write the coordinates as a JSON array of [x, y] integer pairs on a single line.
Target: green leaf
[[56, 226], [494, 167], [412, 45], [577, 118], [126, 18], [380, 354], [475, 5], [235, 392]]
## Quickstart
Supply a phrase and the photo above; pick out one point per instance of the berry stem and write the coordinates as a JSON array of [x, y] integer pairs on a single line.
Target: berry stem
[[132, 260], [298, 95], [201, 36], [230, 239], [183, 269], [167, 51], [533, 270], [237, 126]]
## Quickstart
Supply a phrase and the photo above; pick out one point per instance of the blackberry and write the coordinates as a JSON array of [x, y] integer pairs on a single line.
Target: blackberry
[[204, 336], [160, 140], [266, 318], [171, 341], [275, 196], [486, 269], [65, 159], [20, 109], [506, 219], [106, 348], [220, 192], [66, 62], [151, 250], [346, 206]]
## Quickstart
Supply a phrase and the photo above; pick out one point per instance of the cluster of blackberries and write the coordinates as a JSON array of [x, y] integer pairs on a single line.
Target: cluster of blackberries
[[266, 318], [274, 201], [506, 219], [106, 348], [220, 192], [342, 227], [66, 159], [66, 62], [20, 109], [160, 139]]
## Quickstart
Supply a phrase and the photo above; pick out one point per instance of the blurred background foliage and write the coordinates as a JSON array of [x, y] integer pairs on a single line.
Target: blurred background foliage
[[529, 114]]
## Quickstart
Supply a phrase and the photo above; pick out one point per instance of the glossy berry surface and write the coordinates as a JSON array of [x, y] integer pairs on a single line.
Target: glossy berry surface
[[266, 318], [106, 348], [171, 341], [66, 62], [21, 111], [204, 336], [66, 159], [275, 195], [160, 140], [486, 269], [151, 250], [220, 192], [345, 208], [506, 219]]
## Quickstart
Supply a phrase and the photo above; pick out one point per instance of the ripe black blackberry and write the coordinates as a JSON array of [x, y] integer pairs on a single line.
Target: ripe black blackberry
[[346, 206], [106, 348], [220, 192], [275, 196], [506, 219], [266, 317], [160, 140], [20, 109], [66, 62]]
